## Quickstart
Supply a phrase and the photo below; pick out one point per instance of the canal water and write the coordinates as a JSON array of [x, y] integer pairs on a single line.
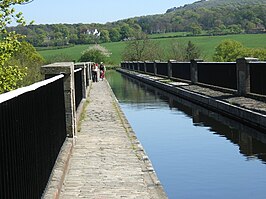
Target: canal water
[[196, 153]]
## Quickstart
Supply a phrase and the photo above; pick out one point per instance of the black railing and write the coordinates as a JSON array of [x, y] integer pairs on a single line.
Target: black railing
[[131, 66], [150, 67], [181, 70], [135, 66], [258, 78], [88, 74], [222, 74], [162, 68], [78, 86], [250, 77], [141, 66], [32, 131]]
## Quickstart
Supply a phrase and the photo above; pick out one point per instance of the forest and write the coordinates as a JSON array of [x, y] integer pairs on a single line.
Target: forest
[[205, 17]]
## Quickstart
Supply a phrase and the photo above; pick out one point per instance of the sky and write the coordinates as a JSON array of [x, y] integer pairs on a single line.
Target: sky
[[93, 11]]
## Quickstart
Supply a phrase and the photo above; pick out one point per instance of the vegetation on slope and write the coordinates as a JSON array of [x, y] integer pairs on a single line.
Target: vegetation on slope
[[206, 44], [212, 17]]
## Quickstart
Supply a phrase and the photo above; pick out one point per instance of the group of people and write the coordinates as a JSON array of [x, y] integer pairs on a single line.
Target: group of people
[[98, 72]]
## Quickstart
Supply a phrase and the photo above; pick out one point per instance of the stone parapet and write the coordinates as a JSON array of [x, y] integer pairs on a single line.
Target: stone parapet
[[66, 68]]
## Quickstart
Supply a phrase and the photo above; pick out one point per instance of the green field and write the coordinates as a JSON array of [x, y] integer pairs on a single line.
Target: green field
[[169, 34], [73, 53], [207, 45]]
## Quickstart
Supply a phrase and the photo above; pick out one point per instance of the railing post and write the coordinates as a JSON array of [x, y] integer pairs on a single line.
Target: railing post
[[155, 67], [130, 65], [66, 68], [83, 77], [89, 75], [170, 73], [135, 65], [243, 75], [194, 70], [145, 67], [138, 66]]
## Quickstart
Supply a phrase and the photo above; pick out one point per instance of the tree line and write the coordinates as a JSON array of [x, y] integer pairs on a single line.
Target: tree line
[[20, 62], [220, 19], [224, 19], [46, 35]]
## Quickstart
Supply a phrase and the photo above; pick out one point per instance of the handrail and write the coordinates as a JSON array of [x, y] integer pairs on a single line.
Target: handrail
[[15, 93], [77, 70]]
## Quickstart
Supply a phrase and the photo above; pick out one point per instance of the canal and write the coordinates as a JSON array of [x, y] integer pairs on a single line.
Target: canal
[[196, 153]]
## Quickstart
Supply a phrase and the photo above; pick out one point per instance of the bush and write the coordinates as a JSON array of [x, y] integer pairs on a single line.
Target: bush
[[29, 62], [95, 54], [182, 52], [92, 56], [142, 48], [9, 78], [230, 50]]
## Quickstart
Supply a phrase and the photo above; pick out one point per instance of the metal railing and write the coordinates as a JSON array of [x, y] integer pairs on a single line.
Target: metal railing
[[78, 86], [222, 74], [181, 70], [32, 131], [245, 76], [257, 78]]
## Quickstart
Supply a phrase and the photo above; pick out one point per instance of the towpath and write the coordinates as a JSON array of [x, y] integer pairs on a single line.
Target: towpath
[[108, 161]]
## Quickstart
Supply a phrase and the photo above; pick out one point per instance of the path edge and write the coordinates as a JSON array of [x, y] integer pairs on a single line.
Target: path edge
[[57, 176], [153, 183]]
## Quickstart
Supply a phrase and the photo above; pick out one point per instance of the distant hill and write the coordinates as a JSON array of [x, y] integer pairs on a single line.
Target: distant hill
[[217, 3], [208, 17], [213, 16]]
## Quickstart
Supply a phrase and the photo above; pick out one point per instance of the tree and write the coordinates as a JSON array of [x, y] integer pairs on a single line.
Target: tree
[[229, 50], [114, 35], [9, 44], [192, 51], [125, 31], [29, 60], [182, 52], [141, 48], [104, 37], [195, 29], [234, 29], [259, 53], [177, 51], [95, 54]]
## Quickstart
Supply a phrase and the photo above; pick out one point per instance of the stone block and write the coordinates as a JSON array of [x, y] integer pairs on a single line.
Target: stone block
[[58, 68]]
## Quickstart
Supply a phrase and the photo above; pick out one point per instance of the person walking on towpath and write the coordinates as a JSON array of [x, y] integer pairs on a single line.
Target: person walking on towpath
[[94, 70], [102, 70]]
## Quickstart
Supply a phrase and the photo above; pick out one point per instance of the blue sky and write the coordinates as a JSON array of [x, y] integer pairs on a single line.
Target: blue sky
[[93, 11]]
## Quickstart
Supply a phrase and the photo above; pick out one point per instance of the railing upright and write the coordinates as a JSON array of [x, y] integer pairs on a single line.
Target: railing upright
[[80, 82]]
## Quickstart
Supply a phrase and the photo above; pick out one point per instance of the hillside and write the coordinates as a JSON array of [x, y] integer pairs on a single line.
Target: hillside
[[206, 45], [214, 16], [208, 17], [216, 3]]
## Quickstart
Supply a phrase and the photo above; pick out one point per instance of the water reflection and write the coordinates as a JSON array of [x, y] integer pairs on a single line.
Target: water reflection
[[189, 145]]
